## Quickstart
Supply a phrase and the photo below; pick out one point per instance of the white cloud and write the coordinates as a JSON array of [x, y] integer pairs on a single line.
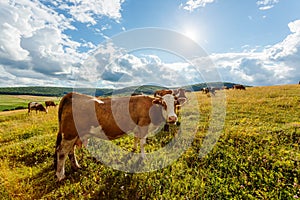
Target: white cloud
[[88, 11], [266, 4], [277, 64], [33, 38], [191, 5], [112, 67]]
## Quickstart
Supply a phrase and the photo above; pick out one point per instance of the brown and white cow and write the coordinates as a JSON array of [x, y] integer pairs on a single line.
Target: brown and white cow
[[81, 116], [36, 106], [50, 103], [180, 94], [181, 98]]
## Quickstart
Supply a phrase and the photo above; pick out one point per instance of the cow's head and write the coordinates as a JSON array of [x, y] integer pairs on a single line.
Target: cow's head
[[40, 107], [168, 103]]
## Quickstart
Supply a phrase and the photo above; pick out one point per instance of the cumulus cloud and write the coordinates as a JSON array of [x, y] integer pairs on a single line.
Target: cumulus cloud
[[87, 11], [277, 64], [266, 4], [191, 5], [113, 67], [33, 37]]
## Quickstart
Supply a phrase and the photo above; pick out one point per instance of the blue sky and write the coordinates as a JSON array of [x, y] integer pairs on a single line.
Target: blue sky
[[66, 43]]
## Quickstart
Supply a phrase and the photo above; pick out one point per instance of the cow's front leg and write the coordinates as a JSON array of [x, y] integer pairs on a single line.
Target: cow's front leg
[[142, 143], [72, 157], [142, 135]]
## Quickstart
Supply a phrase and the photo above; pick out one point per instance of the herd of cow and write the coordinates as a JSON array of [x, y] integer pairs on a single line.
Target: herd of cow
[[81, 117], [212, 90], [39, 107]]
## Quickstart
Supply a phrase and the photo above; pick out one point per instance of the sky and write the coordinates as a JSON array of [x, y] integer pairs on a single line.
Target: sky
[[119, 43]]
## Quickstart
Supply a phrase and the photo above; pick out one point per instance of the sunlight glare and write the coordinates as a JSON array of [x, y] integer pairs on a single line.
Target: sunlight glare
[[192, 34]]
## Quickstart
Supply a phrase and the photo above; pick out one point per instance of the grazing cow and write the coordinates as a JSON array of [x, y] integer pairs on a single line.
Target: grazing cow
[[50, 103], [209, 90], [225, 88], [36, 106], [81, 116], [205, 90], [239, 87]]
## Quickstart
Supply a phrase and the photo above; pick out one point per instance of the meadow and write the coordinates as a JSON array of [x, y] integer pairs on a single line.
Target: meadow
[[257, 155], [17, 102]]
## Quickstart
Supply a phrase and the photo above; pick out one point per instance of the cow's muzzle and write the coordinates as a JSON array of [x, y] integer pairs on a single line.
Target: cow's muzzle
[[172, 119]]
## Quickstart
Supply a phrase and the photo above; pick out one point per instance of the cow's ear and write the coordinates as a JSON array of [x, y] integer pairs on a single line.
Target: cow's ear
[[157, 101]]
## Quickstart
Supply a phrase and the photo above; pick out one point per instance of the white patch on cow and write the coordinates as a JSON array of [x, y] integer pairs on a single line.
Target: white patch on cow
[[97, 100], [98, 132], [169, 100]]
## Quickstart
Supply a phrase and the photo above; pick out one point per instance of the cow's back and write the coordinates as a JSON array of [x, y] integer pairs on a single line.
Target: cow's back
[[79, 114]]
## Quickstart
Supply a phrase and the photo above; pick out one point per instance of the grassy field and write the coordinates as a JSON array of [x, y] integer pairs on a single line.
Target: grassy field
[[12, 102], [256, 157]]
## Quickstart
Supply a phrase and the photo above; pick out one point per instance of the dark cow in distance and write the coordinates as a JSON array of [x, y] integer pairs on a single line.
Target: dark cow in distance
[[36, 106], [81, 116], [50, 103], [239, 87], [207, 90]]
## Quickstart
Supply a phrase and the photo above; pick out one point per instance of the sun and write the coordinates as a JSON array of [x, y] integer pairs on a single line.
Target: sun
[[192, 34]]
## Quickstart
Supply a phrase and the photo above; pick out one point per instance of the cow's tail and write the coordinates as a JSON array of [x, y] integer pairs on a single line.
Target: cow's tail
[[63, 101]]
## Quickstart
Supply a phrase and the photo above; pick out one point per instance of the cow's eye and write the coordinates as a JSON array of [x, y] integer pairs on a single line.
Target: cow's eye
[[164, 105]]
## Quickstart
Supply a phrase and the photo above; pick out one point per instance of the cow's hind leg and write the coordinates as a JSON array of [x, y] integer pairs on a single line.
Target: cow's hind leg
[[62, 151]]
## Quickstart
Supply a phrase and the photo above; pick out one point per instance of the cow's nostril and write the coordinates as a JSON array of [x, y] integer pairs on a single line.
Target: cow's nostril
[[172, 119]]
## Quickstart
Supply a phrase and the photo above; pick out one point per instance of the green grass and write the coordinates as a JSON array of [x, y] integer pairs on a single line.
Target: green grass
[[256, 157], [15, 102]]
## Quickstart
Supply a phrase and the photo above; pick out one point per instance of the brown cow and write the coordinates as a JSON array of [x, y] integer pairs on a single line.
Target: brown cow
[[239, 87], [36, 106], [81, 116], [161, 93], [50, 103], [137, 93]]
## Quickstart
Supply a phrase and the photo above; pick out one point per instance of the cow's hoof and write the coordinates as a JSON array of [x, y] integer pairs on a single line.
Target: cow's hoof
[[76, 168], [60, 178]]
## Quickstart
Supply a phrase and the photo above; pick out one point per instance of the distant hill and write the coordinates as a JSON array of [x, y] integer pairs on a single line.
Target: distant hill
[[61, 91]]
